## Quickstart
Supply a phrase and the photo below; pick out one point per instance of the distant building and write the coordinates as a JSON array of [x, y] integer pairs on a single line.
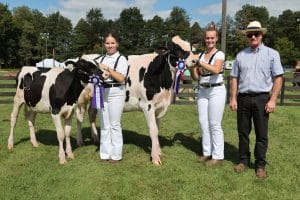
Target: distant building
[[49, 63]]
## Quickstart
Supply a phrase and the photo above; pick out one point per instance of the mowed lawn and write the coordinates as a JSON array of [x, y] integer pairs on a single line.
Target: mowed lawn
[[34, 173]]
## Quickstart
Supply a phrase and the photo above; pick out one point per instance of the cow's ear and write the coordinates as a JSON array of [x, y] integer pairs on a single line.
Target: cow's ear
[[161, 50], [70, 65], [171, 46]]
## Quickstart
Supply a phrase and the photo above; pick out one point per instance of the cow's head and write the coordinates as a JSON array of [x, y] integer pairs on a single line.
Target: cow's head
[[85, 70], [179, 50]]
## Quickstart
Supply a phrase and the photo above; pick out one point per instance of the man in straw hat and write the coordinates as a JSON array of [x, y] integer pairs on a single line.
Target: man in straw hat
[[256, 72]]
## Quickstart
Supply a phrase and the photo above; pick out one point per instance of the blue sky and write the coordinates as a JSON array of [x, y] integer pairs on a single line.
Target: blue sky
[[202, 11]]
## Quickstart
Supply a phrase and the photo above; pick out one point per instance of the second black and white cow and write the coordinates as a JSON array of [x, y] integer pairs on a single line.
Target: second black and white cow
[[149, 88], [55, 92]]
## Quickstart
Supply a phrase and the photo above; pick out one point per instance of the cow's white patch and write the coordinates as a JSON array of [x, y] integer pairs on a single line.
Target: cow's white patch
[[186, 46]]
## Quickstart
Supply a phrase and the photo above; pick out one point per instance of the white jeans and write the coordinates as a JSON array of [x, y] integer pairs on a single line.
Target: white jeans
[[211, 104], [111, 140]]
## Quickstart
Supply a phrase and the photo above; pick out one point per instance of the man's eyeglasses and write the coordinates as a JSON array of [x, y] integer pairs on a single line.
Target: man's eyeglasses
[[256, 34]]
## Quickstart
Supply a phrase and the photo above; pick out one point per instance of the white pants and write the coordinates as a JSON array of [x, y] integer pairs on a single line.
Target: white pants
[[211, 104], [111, 140]]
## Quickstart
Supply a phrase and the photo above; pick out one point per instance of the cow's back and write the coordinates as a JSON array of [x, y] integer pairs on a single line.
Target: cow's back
[[41, 92], [141, 95]]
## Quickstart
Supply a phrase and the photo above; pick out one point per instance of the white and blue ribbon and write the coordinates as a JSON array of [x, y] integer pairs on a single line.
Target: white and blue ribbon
[[181, 67], [98, 98]]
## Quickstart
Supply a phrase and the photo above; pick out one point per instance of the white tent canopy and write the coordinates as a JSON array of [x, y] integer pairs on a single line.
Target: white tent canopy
[[49, 63]]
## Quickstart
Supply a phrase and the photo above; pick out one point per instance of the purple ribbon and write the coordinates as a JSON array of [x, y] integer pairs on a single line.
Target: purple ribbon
[[181, 67], [97, 100]]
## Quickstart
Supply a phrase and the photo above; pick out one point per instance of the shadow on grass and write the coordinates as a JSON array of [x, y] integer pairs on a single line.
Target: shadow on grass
[[189, 142], [144, 141], [49, 137]]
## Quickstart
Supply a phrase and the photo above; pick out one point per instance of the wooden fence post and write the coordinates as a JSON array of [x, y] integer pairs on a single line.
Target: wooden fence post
[[282, 93], [228, 89]]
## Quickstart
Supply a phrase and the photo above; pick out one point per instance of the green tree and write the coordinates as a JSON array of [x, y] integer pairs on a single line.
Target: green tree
[[8, 38], [23, 18], [289, 25], [80, 39], [197, 34], [97, 29], [272, 32], [250, 13], [288, 52], [235, 40], [178, 23], [153, 36], [60, 31], [131, 25]]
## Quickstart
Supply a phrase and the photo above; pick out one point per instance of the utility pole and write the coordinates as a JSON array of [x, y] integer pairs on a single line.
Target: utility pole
[[224, 25], [45, 37], [101, 40]]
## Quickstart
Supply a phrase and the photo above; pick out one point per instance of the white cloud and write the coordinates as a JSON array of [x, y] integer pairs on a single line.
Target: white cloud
[[111, 9], [275, 7]]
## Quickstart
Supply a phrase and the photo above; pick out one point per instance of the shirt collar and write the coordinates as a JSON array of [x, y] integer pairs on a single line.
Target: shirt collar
[[259, 48], [115, 55]]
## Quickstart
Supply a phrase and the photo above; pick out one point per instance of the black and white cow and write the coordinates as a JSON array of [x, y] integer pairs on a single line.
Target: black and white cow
[[149, 88], [55, 92]]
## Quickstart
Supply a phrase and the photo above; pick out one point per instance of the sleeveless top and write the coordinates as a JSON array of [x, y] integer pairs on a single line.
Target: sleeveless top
[[207, 76]]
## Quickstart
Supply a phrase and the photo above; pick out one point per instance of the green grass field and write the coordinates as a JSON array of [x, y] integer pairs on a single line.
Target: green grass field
[[34, 173]]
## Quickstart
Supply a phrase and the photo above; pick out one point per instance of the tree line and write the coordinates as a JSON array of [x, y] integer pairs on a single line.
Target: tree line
[[27, 35]]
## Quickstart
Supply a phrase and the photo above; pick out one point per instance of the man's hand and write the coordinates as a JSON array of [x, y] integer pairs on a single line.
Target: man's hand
[[233, 104], [270, 106]]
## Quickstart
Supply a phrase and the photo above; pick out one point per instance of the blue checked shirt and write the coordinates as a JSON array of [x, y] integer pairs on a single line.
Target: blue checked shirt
[[255, 69]]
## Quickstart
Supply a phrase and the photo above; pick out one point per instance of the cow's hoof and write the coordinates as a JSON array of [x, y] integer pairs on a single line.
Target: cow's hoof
[[35, 144], [71, 156], [156, 162], [62, 161], [10, 147]]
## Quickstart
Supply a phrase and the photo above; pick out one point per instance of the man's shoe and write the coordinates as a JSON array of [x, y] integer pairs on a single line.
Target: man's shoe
[[261, 173], [213, 162], [203, 159], [241, 167]]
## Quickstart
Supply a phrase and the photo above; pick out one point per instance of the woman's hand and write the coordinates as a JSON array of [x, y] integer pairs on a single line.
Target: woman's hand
[[103, 67]]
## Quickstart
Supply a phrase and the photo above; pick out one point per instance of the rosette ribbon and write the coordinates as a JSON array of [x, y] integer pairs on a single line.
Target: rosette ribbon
[[181, 67], [98, 98]]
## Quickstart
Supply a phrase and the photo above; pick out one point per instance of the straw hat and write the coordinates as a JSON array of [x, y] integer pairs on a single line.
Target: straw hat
[[254, 26]]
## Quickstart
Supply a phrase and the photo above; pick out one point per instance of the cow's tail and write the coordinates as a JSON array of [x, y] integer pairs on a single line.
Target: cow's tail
[[17, 78]]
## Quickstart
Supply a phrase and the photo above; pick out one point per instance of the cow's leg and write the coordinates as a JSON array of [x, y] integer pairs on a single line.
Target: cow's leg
[[13, 120], [92, 118], [68, 123], [31, 115], [80, 110], [60, 137], [153, 129], [158, 126]]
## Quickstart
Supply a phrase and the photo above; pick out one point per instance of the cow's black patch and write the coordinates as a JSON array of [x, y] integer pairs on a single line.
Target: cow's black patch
[[128, 81], [142, 73], [158, 76], [127, 96], [149, 107], [65, 90], [33, 86]]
